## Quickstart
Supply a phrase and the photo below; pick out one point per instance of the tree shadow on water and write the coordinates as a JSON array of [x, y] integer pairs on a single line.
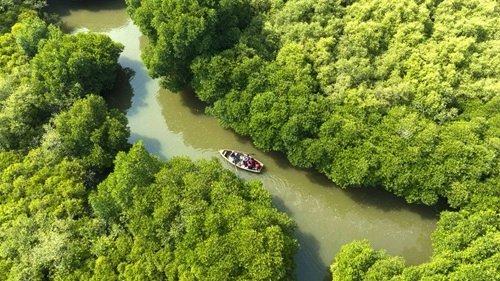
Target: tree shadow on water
[[91, 14], [64, 7], [383, 200], [191, 101], [120, 96], [135, 89], [243, 140], [378, 197], [318, 178], [307, 259], [281, 160], [309, 263], [152, 145]]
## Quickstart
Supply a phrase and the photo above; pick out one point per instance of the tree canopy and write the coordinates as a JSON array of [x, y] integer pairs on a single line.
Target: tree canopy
[[46, 71], [180, 30], [466, 246], [368, 92], [78, 202], [401, 95], [191, 221], [10, 11], [397, 94]]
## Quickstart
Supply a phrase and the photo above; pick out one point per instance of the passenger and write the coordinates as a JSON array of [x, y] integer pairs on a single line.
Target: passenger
[[236, 158], [245, 160], [251, 163], [257, 166]]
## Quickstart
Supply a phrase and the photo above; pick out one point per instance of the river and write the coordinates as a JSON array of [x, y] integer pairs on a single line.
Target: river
[[174, 124]]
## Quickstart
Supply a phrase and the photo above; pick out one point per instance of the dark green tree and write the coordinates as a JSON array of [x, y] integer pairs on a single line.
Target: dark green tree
[[179, 31], [71, 66], [29, 31], [10, 11], [90, 132], [64, 69]]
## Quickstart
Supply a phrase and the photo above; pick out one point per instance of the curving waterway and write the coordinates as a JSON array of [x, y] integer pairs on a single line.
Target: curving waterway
[[174, 125]]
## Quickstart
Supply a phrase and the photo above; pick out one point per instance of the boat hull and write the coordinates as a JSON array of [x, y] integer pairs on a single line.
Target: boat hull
[[238, 161]]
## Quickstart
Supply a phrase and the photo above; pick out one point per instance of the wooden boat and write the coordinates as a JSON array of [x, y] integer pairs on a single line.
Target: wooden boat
[[237, 159]]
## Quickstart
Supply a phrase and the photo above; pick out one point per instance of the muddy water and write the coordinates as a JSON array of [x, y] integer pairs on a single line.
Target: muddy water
[[174, 124]]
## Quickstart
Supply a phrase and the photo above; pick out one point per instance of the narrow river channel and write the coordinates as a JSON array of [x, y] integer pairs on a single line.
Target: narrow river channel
[[174, 125]]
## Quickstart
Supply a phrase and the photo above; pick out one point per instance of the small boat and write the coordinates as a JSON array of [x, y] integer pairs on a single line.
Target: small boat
[[237, 159]]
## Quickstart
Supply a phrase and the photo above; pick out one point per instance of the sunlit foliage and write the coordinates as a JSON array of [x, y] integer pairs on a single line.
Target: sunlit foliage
[[46, 71], [395, 94], [370, 92], [148, 219], [185, 220]]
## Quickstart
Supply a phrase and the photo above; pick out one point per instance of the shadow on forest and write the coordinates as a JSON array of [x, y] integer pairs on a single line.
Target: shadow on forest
[[308, 259]]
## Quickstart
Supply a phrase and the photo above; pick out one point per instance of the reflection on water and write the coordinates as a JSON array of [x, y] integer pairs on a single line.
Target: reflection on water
[[120, 97], [93, 15], [327, 216]]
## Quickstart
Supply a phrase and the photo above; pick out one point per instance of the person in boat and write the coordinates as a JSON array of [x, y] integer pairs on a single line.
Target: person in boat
[[257, 166], [251, 163], [246, 159], [236, 157]]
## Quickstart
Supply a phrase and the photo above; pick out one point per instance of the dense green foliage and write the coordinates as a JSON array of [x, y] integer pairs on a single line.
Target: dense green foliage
[[398, 94], [178, 219], [391, 93], [78, 202], [53, 148], [189, 221], [358, 261], [10, 10], [45, 228], [180, 30], [63, 68]]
